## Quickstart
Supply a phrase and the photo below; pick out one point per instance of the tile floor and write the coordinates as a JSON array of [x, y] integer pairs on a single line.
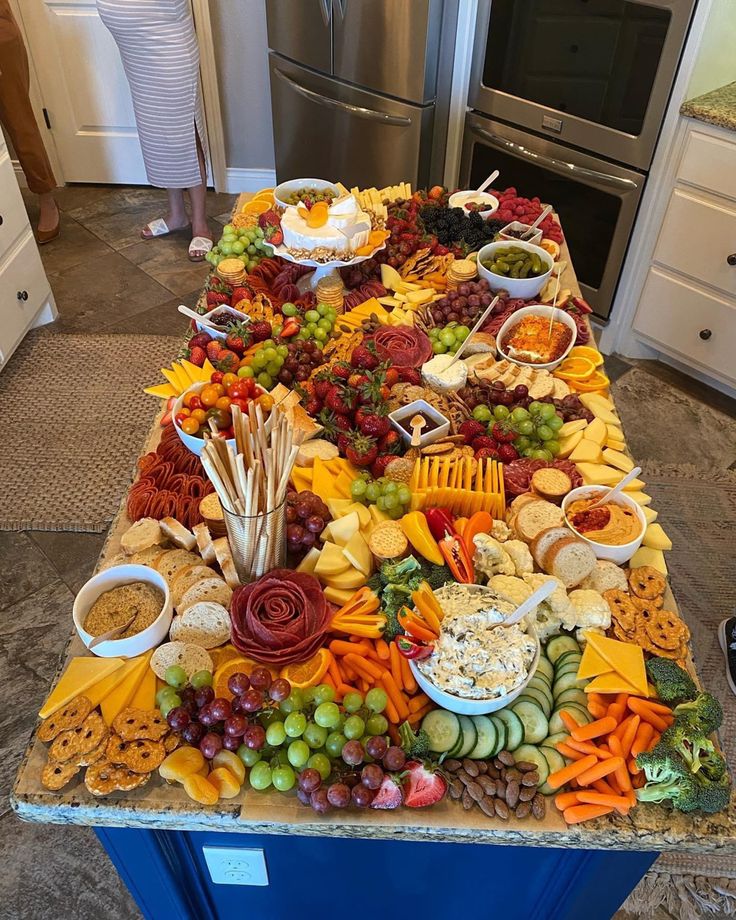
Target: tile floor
[[104, 278]]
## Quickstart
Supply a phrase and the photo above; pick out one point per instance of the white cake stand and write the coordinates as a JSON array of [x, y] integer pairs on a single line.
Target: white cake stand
[[321, 269]]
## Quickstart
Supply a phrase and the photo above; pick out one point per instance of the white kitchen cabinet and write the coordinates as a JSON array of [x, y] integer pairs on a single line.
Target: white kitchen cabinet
[[25, 294]]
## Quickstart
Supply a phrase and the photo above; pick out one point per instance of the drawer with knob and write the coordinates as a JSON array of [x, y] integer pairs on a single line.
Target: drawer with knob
[[689, 322], [13, 217], [23, 289]]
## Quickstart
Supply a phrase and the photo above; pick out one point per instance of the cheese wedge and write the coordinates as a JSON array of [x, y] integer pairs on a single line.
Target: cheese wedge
[[331, 561], [615, 432], [343, 528], [121, 696], [145, 695], [596, 474], [590, 400], [641, 498], [611, 683], [645, 555], [364, 515], [636, 485], [596, 432], [358, 554], [378, 516], [339, 506], [97, 692], [592, 664], [571, 428], [616, 445], [323, 481], [81, 674], [342, 484], [346, 581], [309, 562], [618, 459], [162, 390], [656, 538], [181, 375], [338, 596], [626, 659], [586, 452], [650, 514], [569, 444]]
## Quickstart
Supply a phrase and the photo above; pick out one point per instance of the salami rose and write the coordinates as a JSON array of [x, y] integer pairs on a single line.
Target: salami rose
[[404, 346], [280, 619]]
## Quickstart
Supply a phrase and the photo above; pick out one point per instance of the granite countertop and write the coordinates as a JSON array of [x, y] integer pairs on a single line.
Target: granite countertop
[[718, 107]]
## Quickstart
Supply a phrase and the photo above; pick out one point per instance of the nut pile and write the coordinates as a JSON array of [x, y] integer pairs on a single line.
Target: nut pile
[[500, 787]]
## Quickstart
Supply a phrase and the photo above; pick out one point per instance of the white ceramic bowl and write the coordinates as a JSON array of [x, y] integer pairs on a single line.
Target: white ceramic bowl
[[423, 407], [516, 226], [526, 288], [618, 554], [284, 189], [237, 316], [537, 309], [459, 200], [190, 441], [112, 578], [467, 707]]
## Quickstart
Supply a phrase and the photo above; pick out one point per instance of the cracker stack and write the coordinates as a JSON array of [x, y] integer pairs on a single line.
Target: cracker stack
[[460, 271], [331, 291], [232, 271], [211, 511]]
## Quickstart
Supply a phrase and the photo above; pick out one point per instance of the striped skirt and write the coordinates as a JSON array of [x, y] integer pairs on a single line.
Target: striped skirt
[[159, 51]]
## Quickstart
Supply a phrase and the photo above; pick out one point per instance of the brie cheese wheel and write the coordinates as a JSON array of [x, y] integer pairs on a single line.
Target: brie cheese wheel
[[347, 228]]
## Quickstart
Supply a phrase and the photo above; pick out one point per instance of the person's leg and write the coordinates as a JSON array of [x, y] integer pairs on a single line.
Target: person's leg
[[177, 217], [198, 197]]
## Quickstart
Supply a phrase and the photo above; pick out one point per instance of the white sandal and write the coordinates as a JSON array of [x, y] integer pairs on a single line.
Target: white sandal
[[159, 227], [199, 247]]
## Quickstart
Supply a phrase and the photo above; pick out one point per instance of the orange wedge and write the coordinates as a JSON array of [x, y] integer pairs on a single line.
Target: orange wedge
[[596, 381], [223, 654], [575, 369], [551, 247], [587, 351], [264, 192], [307, 673], [256, 207]]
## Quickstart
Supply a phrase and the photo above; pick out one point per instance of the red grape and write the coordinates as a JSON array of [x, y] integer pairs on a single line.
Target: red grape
[[353, 753], [310, 779], [235, 726], [319, 801], [206, 716], [203, 695], [362, 796], [304, 797], [178, 718], [371, 776], [314, 524], [279, 690], [193, 733], [210, 745], [221, 708], [338, 795], [238, 683], [260, 679], [230, 742], [394, 759], [254, 737], [252, 700], [294, 534], [376, 747]]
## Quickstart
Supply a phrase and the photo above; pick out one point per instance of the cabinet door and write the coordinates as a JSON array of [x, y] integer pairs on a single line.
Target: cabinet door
[[13, 218], [23, 288]]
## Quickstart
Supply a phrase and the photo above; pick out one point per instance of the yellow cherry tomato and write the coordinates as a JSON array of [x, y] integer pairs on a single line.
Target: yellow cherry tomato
[[190, 426], [209, 395]]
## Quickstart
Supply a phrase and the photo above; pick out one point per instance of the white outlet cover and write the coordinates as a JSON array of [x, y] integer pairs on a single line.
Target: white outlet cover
[[236, 865]]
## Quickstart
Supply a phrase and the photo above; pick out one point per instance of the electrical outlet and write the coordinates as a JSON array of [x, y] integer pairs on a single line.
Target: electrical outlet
[[236, 866]]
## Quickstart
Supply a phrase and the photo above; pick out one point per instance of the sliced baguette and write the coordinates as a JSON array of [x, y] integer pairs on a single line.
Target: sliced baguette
[[205, 623], [148, 556], [204, 544], [208, 589], [225, 561], [178, 534], [606, 576], [571, 560], [544, 540], [141, 535], [170, 563], [536, 516], [185, 578], [191, 657]]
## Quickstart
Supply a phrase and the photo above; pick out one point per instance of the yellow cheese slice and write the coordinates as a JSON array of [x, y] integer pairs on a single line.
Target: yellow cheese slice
[[636, 485], [323, 481], [611, 683], [619, 460], [616, 445], [645, 555], [338, 596], [145, 696], [625, 658], [592, 664], [331, 561], [597, 474], [339, 506], [309, 562], [208, 369], [364, 515], [344, 528], [656, 538], [358, 554], [605, 415], [181, 375], [378, 516], [579, 424], [641, 498], [97, 692], [615, 432], [586, 452], [121, 696], [346, 581], [342, 484], [596, 432], [172, 378], [193, 372], [650, 514], [162, 390], [301, 476], [568, 445], [590, 400], [81, 674]]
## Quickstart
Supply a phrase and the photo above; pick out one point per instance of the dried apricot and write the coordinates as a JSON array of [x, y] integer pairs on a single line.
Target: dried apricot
[[181, 763], [201, 789], [233, 763], [225, 782]]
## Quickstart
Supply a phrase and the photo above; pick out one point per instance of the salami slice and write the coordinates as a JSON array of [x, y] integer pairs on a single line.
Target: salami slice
[[517, 475], [404, 346]]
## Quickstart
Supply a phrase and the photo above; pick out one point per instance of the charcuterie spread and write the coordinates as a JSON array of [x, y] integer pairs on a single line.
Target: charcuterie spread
[[331, 627]]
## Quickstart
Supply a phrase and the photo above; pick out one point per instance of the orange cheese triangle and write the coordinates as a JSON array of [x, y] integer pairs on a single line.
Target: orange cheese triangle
[[81, 674], [611, 683], [592, 664], [145, 696], [121, 696], [625, 658]]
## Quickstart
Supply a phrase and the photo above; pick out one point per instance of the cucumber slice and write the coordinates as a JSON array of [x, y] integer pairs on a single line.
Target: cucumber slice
[[500, 734], [542, 686], [551, 740], [581, 715], [560, 644], [554, 759], [546, 668], [566, 658], [487, 738], [567, 682], [572, 696], [557, 726], [469, 736], [514, 728], [541, 699], [443, 730], [569, 667], [536, 727], [533, 754]]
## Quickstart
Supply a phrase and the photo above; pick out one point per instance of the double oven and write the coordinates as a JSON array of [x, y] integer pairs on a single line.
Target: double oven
[[567, 99]]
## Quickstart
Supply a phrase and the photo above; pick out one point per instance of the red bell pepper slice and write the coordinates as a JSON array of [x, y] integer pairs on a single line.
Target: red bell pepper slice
[[458, 558], [411, 648], [440, 522]]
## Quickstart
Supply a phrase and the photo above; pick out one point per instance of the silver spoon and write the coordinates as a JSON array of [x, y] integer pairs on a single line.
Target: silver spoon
[[111, 633]]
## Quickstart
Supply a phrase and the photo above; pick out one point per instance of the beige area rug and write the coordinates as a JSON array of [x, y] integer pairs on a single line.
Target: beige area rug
[[74, 418], [698, 510]]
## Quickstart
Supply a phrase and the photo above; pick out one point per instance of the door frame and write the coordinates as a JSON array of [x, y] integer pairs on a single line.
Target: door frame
[[210, 97]]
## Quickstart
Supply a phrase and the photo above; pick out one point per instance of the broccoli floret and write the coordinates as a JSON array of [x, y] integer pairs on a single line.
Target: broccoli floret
[[673, 683], [400, 572], [681, 791], [713, 766], [662, 765], [689, 743], [668, 778], [414, 744], [393, 598], [375, 583], [703, 713], [436, 575], [711, 797]]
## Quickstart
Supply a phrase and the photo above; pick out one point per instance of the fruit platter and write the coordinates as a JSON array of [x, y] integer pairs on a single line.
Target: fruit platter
[[315, 608]]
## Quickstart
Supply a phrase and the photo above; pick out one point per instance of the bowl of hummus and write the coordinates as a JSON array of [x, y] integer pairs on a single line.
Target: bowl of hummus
[[614, 530], [477, 666]]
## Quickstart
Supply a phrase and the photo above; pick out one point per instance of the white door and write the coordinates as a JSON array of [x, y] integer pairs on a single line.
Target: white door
[[84, 91]]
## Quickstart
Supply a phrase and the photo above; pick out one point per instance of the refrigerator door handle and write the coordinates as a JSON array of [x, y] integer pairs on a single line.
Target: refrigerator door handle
[[358, 110], [570, 168], [340, 6], [324, 8]]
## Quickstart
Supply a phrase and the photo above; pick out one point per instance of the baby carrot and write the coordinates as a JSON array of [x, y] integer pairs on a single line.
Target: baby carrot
[[415, 717], [568, 751], [344, 689], [585, 747], [396, 664], [407, 677], [568, 721], [632, 767], [418, 702], [659, 708], [600, 785], [622, 726], [359, 662], [641, 709], [578, 813], [334, 671], [394, 692], [616, 711], [643, 737], [638, 781], [597, 698], [623, 779], [596, 709], [383, 650], [391, 712], [593, 729], [571, 771], [340, 647], [627, 739], [564, 800], [599, 769], [619, 802], [655, 740]]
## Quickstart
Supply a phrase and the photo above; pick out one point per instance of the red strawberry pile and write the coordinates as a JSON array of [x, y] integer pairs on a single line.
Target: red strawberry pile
[[494, 442], [526, 210]]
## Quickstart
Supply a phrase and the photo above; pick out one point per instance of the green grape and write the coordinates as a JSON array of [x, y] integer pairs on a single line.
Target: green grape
[[404, 494], [273, 368], [522, 443], [534, 407], [323, 693], [163, 693], [229, 229], [252, 250], [315, 735], [175, 676], [525, 427], [283, 778], [482, 414], [282, 757], [246, 371], [248, 756], [434, 332], [500, 413], [238, 248], [168, 703], [293, 702], [372, 492], [376, 724], [553, 447], [555, 423], [302, 334], [259, 359], [352, 702], [447, 337], [335, 743], [461, 333], [438, 348], [276, 733], [226, 247], [376, 699], [519, 414], [547, 411], [311, 328], [201, 679], [324, 323], [327, 715], [289, 309], [282, 351], [354, 727], [311, 316], [308, 695], [265, 380], [358, 488], [267, 717], [545, 433], [322, 309], [269, 353], [294, 724], [390, 487], [298, 753], [390, 501], [381, 503], [321, 335], [321, 764], [260, 775], [541, 454], [396, 512]]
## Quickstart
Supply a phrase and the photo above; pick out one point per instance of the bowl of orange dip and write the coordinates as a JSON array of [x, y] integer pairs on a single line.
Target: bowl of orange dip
[[528, 338], [614, 530]]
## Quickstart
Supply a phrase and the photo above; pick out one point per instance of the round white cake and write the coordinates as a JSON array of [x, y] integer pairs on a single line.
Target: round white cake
[[347, 228]]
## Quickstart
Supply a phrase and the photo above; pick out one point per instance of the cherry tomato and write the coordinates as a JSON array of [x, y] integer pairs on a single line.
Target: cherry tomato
[[219, 388], [242, 404], [266, 401], [209, 396], [195, 402], [200, 415], [223, 403], [228, 432], [221, 418], [216, 377], [190, 426], [180, 416], [229, 379], [238, 390], [188, 397], [250, 385]]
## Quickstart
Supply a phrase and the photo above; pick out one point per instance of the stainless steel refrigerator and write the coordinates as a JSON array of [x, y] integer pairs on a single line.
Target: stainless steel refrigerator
[[360, 88]]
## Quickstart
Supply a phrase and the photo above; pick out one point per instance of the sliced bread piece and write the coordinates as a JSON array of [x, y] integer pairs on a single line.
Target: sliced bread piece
[[178, 534], [544, 540], [208, 589], [148, 556], [173, 561], [536, 516], [185, 578], [225, 561], [191, 657], [550, 483], [204, 544], [605, 577], [571, 560], [141, 535], [206, 624]]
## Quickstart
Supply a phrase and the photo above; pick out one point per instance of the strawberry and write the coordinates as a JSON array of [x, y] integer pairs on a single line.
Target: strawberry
[[378, 467], [389, 795], [228, 361], [410, 375], [364, 356], [392, 376], [238, 338], [322, 383], [343, 442], [374, 425], [470, 430], [361, 450], [313, 405], [274, 236], [359, 418], [213, 349], [357, 380], [197, 355], [215, 298], [484, 441], [390, 443], [239, 293], [340, 400], [486, 453], [201, 340], [503, 432], [260, 331], [422, 784], [342, 370], [507, 453]]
